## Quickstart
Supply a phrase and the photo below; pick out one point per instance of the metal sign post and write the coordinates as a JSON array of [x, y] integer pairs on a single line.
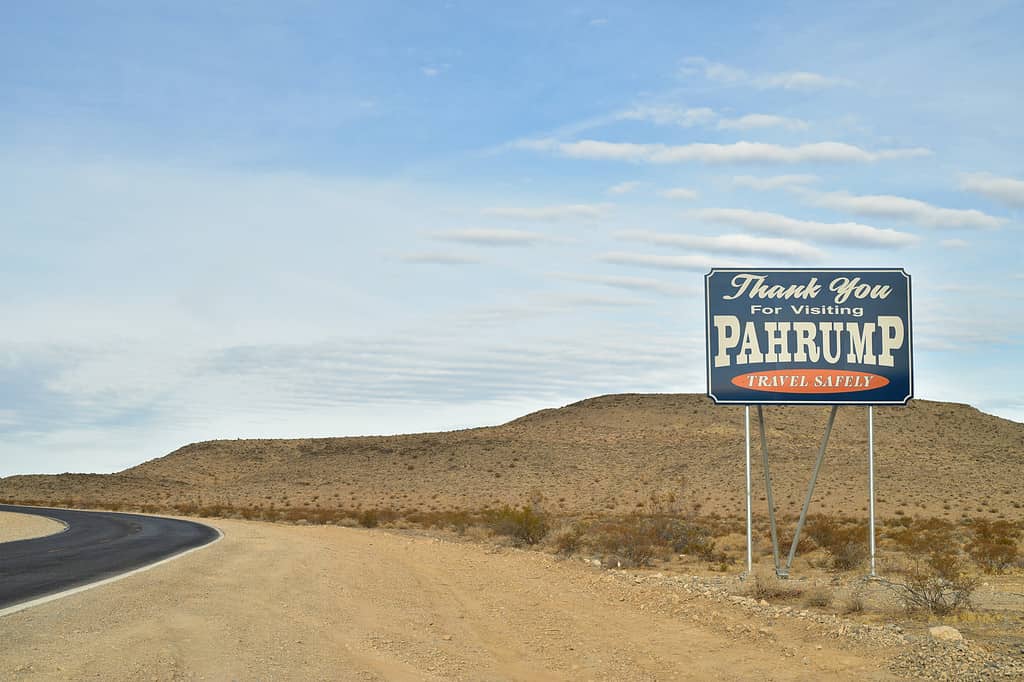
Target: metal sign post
[[746, 440], [808, 337], [871, 484]]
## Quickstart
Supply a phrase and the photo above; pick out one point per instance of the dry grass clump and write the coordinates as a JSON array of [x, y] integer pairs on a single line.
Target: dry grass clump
[[820, 597], [567, 539], [769, 586], [854, 602]]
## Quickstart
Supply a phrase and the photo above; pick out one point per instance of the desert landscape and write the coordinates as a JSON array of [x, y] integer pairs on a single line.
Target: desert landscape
[[605, 455], [600, 540]]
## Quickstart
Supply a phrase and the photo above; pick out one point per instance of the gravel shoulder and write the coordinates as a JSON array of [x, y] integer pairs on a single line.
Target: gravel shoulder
[[280, 602], [26, 526]]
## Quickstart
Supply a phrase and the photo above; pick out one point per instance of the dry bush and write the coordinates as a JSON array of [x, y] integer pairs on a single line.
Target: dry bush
[[854, 602], [630, 539], [845, 542], [820, 597], [526, 526], [769, 586], [636, 539], [567, 539], [936, 582], [456, 520], [993, 544]]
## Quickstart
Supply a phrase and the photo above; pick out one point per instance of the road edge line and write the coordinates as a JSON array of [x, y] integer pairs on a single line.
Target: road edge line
[[112, 579]]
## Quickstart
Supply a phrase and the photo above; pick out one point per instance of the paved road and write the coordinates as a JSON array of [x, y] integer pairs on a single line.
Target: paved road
[[95, 546]]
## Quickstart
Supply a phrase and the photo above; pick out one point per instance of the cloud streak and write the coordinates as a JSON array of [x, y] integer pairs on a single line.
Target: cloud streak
[[901, 208], [440, 258], [551, 213], [487, 237], [713, 153], [691, 263], [784, 80], [847, 234], [633, 284], [1009, 191], [755, 121], [685, 118], [624, 187], [771, 182], [733, 244], [680, 193]]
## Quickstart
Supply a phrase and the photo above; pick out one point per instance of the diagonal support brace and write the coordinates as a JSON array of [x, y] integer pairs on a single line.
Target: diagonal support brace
[[810, 490]]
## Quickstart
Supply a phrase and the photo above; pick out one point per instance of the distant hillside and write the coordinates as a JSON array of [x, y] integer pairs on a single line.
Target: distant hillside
[[605, 454]]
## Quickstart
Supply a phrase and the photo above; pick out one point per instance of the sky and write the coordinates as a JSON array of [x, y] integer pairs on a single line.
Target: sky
[[262, 219]]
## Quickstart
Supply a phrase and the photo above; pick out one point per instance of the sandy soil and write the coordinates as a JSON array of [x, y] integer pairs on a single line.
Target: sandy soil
[[279, 602], [24, 526]]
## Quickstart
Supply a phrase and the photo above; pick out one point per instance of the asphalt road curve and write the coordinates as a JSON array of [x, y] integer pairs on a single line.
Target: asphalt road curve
[[95, 546]]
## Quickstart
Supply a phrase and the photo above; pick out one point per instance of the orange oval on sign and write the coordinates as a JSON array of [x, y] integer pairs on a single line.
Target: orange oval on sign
[[809, 381]]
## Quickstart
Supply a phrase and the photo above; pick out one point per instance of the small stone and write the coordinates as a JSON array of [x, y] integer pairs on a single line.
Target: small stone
[[945, 633]]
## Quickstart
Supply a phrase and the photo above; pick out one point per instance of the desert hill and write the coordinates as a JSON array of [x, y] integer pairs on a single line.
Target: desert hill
[[608, 454]]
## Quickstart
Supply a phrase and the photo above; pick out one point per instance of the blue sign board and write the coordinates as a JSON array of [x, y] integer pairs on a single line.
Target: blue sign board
[[820, 337]]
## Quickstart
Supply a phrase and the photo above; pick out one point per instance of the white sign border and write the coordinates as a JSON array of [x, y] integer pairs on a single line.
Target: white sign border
[[707, 338]]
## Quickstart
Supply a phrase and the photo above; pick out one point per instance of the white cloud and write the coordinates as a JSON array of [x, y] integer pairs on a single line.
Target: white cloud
[[799, 80], [624, 187], [488, 237], [440, 258], [736, 152], [714, 71], [735, 244], [1009, 191], [551, 213], [666, 115], [954, 243], [680, 193], [752, 121], [786, 80], [634, 284], [771, 182], [430, 71], [901, 208], [850, 234], [693, 263]]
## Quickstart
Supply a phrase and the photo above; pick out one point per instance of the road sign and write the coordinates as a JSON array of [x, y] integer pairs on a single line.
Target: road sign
[[834, 336]]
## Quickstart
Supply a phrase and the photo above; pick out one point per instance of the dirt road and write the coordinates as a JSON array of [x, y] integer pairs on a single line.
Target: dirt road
[[303, 603]]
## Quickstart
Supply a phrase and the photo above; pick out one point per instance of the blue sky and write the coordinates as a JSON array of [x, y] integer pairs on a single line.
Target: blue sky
[[285, 219]]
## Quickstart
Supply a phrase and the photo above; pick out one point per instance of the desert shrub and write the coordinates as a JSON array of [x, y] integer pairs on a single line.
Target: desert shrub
[[368, 518], [935, 582], [526, 526], [567, 539], [636, 539], [924, 536], [682, 536], [769, 586], [993, 545], [844, 542], [630, 539], [849, 556], [820, 597], [854, 602]]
